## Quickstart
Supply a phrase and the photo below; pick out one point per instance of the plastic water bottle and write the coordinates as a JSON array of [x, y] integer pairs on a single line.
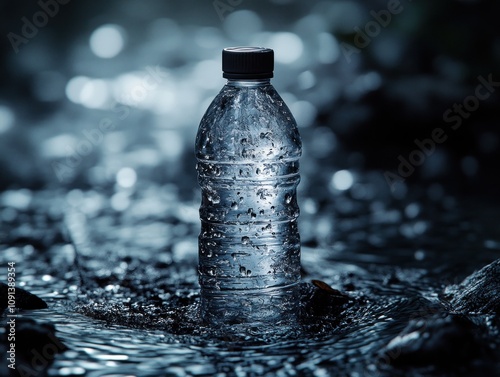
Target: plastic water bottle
[[248, 148]]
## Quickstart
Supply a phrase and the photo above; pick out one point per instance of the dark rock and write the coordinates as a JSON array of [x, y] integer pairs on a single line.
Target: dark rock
[[24, 299], [441, 340], [35, 346], [478, 293], [325, 300]]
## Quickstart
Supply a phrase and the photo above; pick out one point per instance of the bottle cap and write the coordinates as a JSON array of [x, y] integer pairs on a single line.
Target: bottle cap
[[247, 63]]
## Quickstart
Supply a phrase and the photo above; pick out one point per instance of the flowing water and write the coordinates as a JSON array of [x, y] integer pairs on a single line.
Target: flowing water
[[122, 287]]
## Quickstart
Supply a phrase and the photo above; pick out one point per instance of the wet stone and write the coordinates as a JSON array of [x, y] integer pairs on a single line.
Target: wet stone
[[24, 299], [478, 293], [36, 346], [323, 300], [445, 340]]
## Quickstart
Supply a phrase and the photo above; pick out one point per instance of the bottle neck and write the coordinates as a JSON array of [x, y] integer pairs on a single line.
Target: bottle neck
[[248, 83]]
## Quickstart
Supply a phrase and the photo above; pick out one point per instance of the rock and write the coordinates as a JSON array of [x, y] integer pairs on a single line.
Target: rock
[[326, 301], [445, 340], [35, 346], [24, 299], [479, 293]]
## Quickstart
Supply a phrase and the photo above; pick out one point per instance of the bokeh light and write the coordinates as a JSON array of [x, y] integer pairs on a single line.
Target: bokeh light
[[107, 41], [74, 88], [342, 180], [292, 52], [6, 119], [328, 50], [126, 177], [94, 94]]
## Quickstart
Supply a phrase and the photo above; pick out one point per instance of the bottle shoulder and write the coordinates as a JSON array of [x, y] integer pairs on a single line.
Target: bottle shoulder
[[248, 123]]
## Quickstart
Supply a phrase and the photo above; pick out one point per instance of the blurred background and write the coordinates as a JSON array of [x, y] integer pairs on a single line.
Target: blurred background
[[110, 94]]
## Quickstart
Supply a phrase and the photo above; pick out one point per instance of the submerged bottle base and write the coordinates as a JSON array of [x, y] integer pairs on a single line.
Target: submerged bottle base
[[251, 307]]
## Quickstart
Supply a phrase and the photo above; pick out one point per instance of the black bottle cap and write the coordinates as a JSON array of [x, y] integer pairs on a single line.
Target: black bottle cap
[[247, 63]]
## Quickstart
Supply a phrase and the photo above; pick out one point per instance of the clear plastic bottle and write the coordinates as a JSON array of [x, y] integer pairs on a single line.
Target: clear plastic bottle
[[248, 148]]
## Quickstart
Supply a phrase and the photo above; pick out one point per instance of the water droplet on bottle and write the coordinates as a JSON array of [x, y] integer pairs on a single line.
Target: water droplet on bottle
[[265, 135], [249, 195]]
